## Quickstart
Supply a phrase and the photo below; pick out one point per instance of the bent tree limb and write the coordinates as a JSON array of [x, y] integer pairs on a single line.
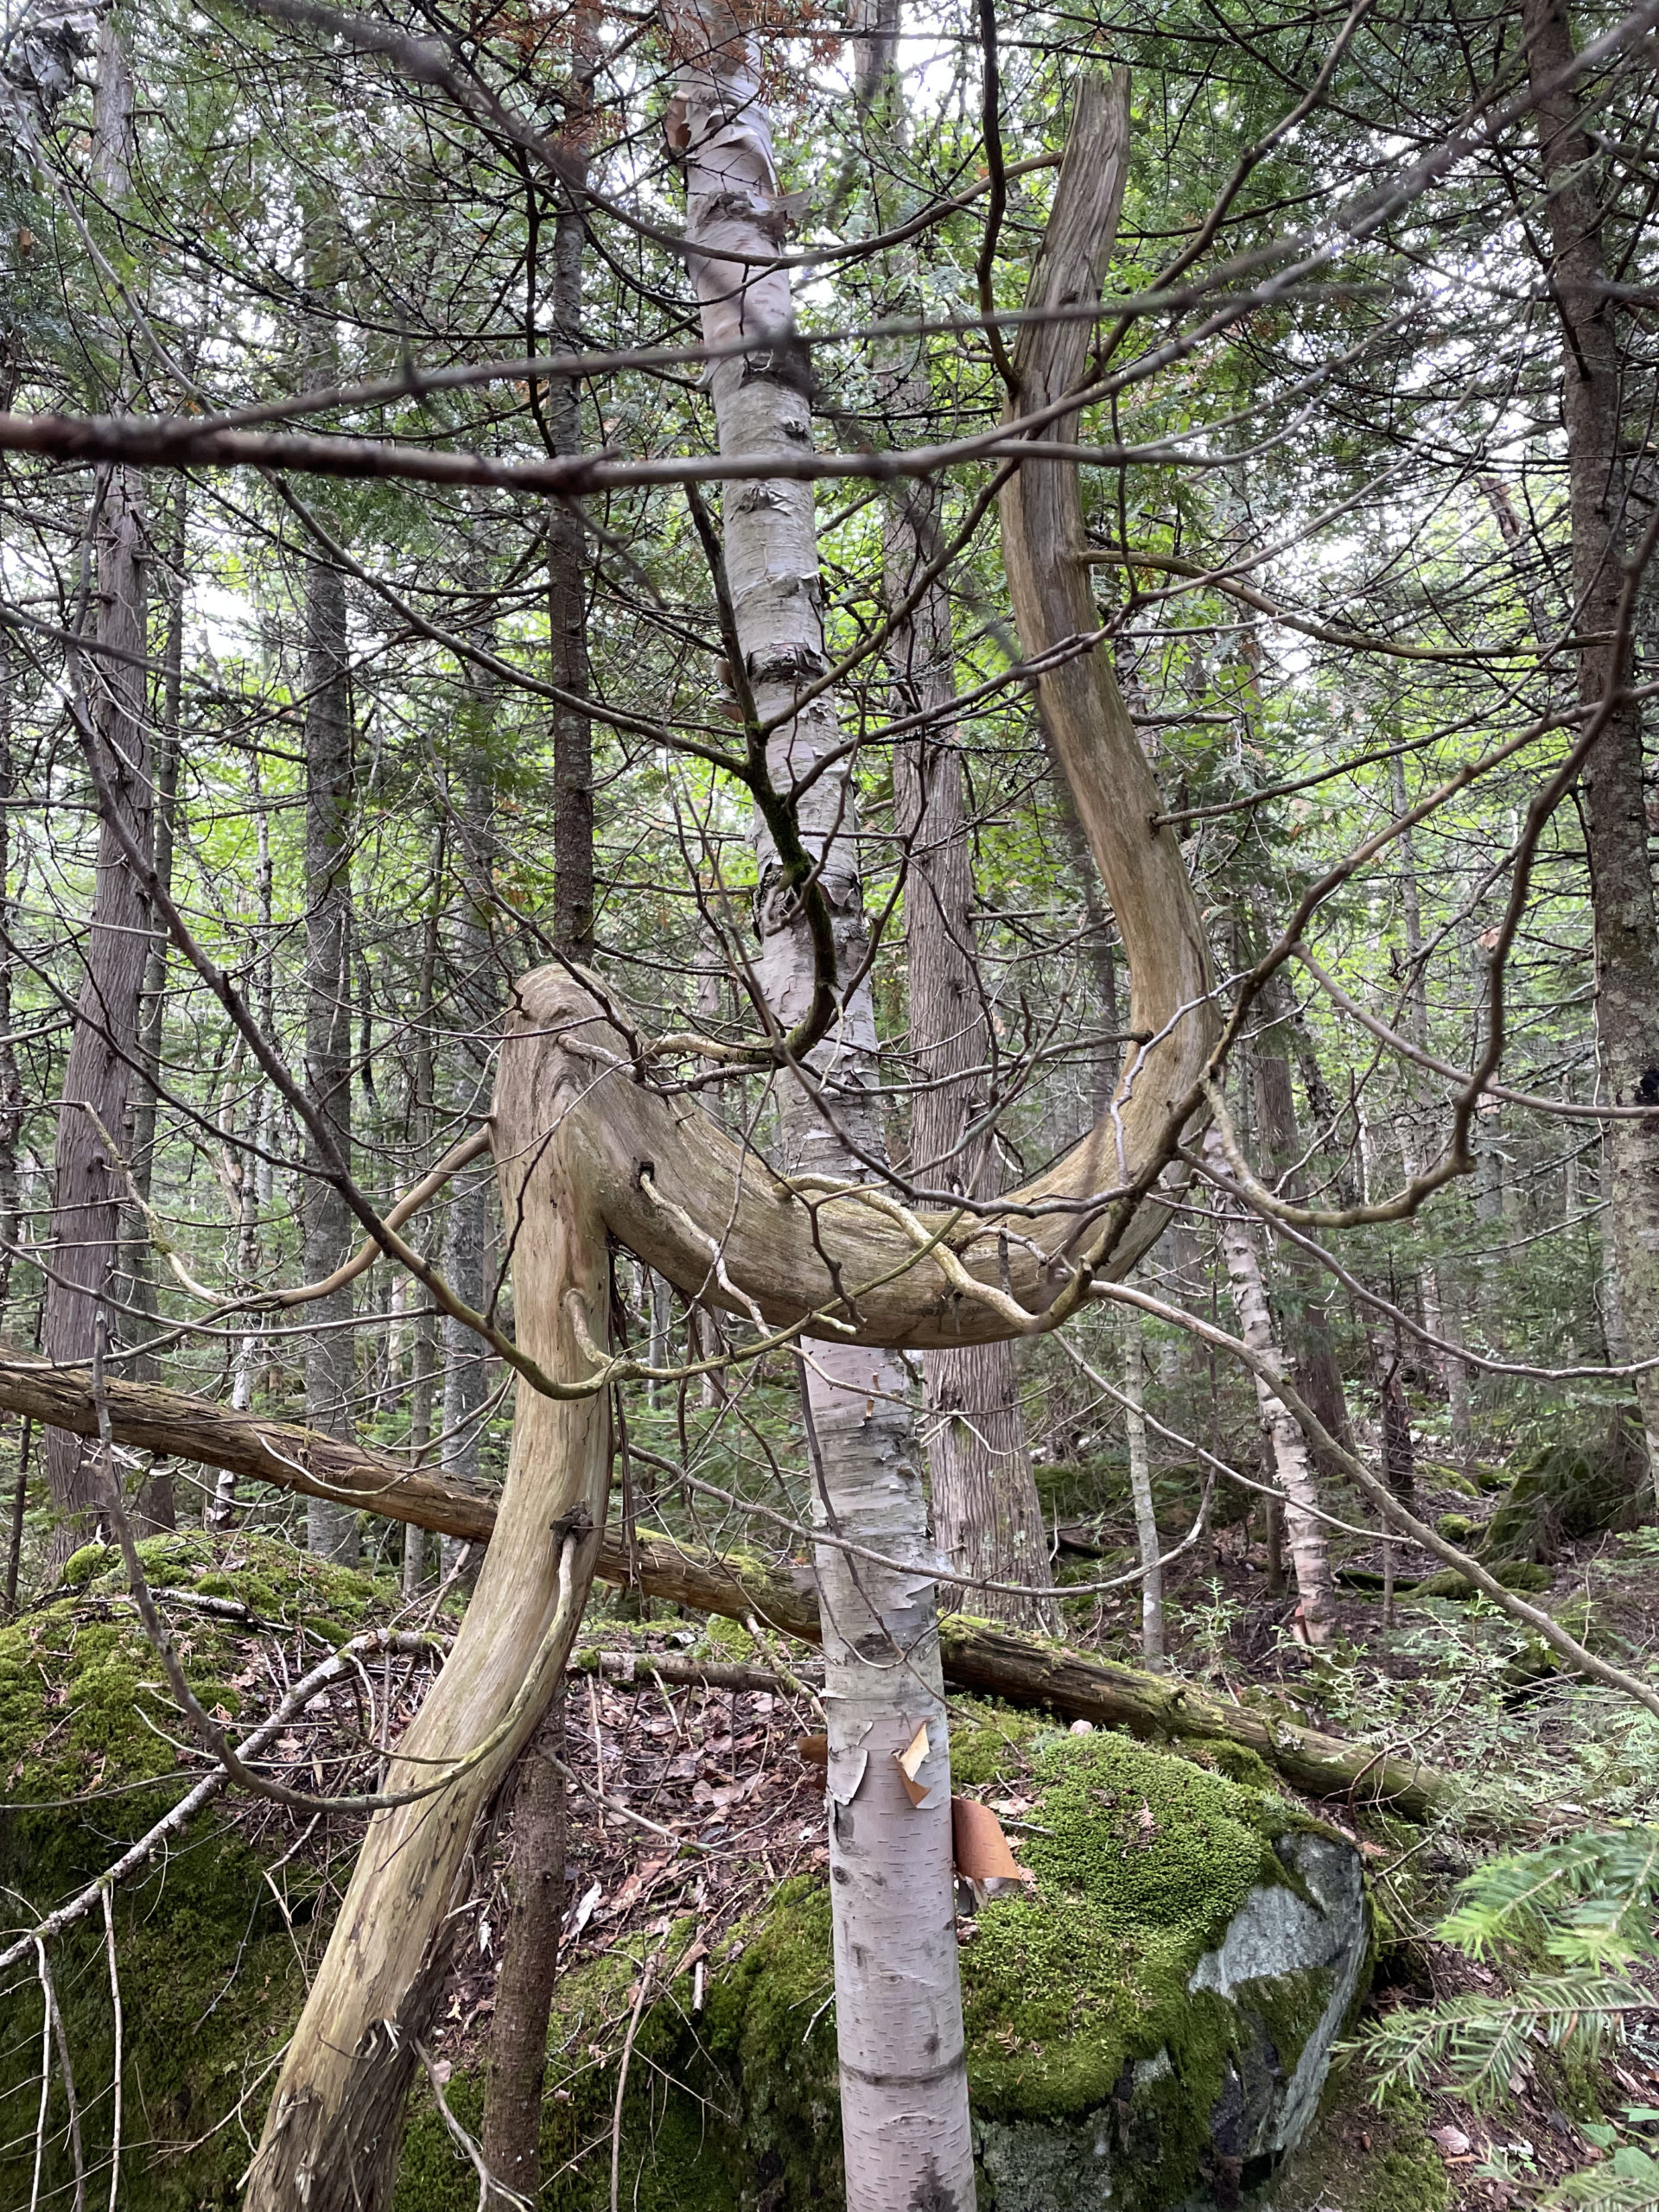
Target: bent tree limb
[[978, 1656], [332, 2132], [586, 1148]]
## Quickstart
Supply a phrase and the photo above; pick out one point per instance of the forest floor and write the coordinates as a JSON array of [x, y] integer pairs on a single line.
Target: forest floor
[[720, 1808]]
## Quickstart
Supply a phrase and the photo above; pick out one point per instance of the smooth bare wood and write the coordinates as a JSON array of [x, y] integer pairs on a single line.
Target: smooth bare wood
[[331, 2137]]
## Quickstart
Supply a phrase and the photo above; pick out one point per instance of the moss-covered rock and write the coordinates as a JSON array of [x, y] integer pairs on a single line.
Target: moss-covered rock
[[1153, 2020], [210, 1955], [1570, 1490]]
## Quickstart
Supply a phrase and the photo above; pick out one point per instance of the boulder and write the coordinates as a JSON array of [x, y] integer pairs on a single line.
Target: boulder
[[1149, 2022]]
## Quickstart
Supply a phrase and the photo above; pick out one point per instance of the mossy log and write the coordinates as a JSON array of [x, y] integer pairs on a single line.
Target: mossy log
[[995, 1661]]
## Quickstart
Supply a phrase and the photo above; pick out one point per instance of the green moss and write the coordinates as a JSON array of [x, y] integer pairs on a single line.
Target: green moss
[[1358, 2158], [1458, 1529], [1142, 1859], [211, 1971], [1514, 1575], [1146, 1860]]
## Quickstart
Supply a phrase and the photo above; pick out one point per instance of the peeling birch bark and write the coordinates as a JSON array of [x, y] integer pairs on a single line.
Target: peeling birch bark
[[904, 2083]]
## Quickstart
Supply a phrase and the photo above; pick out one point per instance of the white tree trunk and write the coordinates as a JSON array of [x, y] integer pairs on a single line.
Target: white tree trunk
[[1309, 1558], [1146, 1521], [898, 2014]]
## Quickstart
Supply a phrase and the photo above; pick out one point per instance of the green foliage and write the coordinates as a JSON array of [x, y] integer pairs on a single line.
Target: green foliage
[[1569, 1921]]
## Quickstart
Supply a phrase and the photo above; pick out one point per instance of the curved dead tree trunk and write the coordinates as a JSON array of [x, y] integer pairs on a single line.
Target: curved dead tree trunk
[[332, 2135], [587, 1148], [1087, 724]]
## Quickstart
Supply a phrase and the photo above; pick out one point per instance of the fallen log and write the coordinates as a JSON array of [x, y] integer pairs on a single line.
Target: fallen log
[[978, 1656]]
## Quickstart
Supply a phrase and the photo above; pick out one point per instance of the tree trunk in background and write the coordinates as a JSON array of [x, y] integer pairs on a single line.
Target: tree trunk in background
[[328, 1224], [1621, 880], [1292, 1467], [156, 1509], [477, 1001], [89, 1185], [1314, 1365], [529, 1964], [1146, 1520], [986, 1519], [567, 583], [12, 1113], [904, 2083]]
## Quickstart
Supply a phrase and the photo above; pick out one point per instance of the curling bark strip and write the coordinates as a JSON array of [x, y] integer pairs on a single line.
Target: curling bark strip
[[586, 1151]]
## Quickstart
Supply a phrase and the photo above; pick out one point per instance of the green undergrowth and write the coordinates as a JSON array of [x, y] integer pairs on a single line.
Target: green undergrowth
[[1141, 1860], [209, 1952]]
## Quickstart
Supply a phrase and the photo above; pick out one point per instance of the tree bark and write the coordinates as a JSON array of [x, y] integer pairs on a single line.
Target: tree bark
[[987, 1518], [1087, 725], [328, 1222], [529, 1964], [1599, 478], [1146, 1520], [567, 617], [478, 999], [904, 2084], [1313, 1353], [94, 1129], [93, 1145], [331, 2139], [1309, 1554]]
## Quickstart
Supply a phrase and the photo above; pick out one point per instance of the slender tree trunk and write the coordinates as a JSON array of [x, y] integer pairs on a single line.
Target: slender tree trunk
[[328, 1225], [1146, 1520], [12, 1110], [1313, 1350], [156, 1507], [986, 1519], [478, 1001], [904, 2084], [94, 1133], [1626, 940], [567, 575], [530, 1963], [1292, 1465]]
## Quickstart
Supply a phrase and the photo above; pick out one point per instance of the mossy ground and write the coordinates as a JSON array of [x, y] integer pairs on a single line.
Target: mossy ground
[[210, 1961]]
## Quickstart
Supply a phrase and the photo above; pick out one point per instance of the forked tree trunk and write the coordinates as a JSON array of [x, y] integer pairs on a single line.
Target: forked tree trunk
[[904, 2084], [1594, 367], [1292, 1460]]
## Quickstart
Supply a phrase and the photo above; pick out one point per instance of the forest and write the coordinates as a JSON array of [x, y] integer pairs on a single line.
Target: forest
[[829, 1106]]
